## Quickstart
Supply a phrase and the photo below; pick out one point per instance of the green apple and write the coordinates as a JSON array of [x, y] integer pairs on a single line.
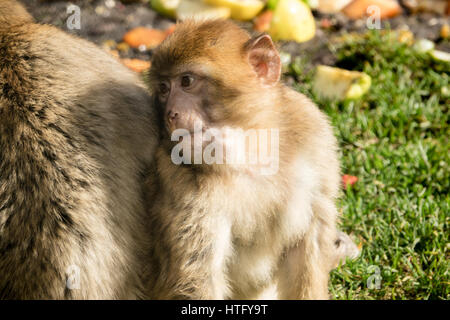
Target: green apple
[[272, 4]]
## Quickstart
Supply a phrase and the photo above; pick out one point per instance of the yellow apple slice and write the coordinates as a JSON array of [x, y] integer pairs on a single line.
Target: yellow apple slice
[[340, 84], [292, 20], [197, 9], [240, 9]]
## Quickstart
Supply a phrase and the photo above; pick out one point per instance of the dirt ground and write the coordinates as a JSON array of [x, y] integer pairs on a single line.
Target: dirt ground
[[103, 20]]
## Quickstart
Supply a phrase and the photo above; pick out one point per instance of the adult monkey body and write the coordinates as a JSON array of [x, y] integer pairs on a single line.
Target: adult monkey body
[[76, 132], [226, 231]]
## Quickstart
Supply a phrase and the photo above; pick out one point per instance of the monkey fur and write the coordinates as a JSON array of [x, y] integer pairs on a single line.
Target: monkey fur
[[77, 133], [222, 232]]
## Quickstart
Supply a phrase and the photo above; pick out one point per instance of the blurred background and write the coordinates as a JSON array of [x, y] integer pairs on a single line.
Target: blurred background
[[306, 27], [380, 70]]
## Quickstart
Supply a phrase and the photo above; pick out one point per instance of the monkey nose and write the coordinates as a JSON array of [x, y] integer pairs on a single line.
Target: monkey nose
[[171, 116]]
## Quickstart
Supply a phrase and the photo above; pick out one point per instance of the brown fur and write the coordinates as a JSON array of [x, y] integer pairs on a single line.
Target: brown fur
[[225, 233], [76, 134], [13, 13]]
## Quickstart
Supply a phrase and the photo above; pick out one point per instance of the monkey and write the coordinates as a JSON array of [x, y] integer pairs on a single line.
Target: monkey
[[12, 12], [223, 230], [77, 133]]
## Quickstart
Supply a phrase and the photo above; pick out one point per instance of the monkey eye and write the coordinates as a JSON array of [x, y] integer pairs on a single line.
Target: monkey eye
[[187, 80], [163, 88]]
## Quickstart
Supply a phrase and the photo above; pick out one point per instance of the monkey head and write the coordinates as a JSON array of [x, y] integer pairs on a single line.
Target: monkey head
[[211, 76], [209, 73]]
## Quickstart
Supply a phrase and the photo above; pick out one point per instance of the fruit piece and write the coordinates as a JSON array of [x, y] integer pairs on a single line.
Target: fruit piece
[[440, 55], [286, 60], [150, 38], [332, 6], [240, 9], [436, 6], [445, 31], [165, 7], [272, 4], [404, 36], [170, 30], [262, 22], [313, 4], [109, 44], [360, 245], [423, 45], [196, 9], [348, 180], [136, 64], [340, 84], [326, 23], [358, 8], [123, 47], [292, 20]]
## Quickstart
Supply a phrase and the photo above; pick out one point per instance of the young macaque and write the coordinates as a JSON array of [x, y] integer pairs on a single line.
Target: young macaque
[[76, 136], [229, 229]]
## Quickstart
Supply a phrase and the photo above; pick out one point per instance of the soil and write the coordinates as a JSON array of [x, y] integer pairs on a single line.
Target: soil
[[103, 20]]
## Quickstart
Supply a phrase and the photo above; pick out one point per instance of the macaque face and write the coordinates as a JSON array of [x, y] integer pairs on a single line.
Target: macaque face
[[198, 93], [190, 98], [180, 100]]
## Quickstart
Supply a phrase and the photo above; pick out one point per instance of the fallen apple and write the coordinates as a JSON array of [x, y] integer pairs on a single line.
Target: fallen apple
[[292, 20], [240, 9], [340, 84], [440, 55], [271, 4], [165, 7], [423, 45], [332, 6], [313, 4], [197, 9]]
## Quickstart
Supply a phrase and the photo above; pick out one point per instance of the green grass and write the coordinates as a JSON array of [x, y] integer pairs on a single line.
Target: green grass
[[396, 141]]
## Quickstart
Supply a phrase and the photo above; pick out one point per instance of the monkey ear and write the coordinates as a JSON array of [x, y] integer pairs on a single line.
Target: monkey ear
[[264, 58]]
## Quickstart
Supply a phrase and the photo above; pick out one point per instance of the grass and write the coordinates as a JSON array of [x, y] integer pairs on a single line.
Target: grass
[[396, 141]]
